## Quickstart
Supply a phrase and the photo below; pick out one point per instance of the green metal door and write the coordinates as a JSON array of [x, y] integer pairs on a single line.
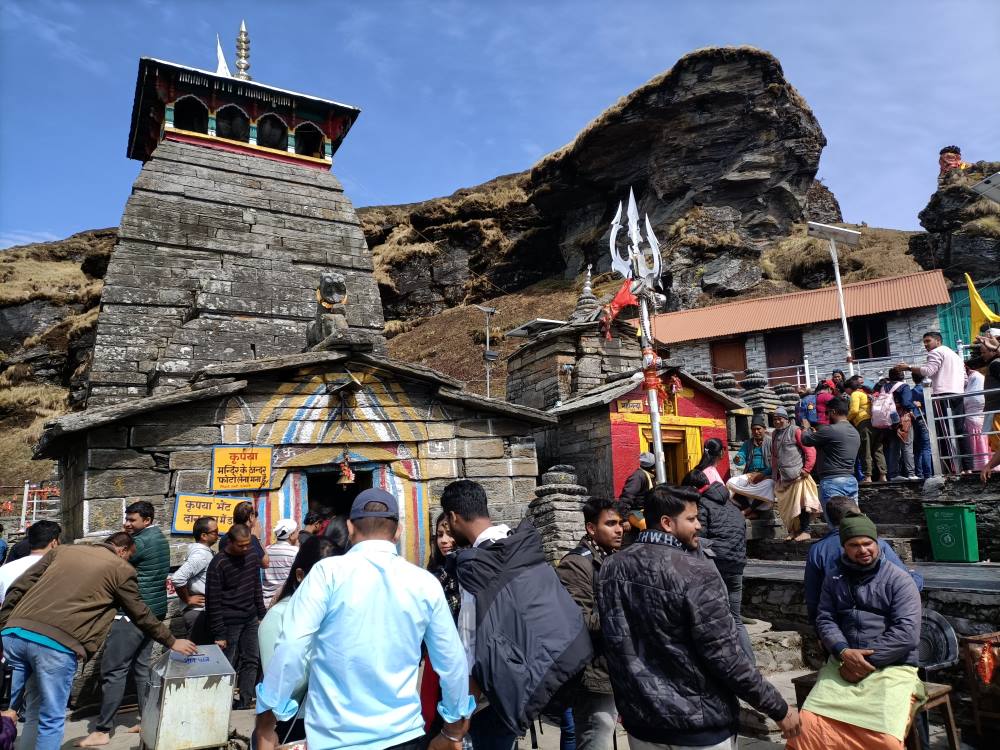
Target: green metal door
[[954, 317]]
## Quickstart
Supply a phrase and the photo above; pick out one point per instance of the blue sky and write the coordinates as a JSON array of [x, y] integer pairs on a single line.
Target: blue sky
[[454, 93]]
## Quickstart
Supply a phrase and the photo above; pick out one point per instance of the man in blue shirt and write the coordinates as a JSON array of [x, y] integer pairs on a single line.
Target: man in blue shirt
[[824, 555], [354, 627]]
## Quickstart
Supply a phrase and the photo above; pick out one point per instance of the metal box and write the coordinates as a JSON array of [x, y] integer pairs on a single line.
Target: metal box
[[188, 700]]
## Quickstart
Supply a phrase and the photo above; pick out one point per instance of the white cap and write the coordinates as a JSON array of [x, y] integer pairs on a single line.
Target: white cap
[[285, 528]]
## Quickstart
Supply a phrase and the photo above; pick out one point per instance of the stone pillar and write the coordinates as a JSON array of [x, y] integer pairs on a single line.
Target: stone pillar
[[557, 511]]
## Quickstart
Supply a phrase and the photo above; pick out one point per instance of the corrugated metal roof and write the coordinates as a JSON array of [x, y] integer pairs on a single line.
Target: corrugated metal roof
[[916, 290]]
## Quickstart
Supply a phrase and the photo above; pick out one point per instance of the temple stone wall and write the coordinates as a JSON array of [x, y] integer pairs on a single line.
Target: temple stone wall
[[218, 258]]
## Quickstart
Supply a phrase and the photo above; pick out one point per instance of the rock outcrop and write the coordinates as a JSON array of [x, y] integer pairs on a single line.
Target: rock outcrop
[[721, 142], [963, 228]]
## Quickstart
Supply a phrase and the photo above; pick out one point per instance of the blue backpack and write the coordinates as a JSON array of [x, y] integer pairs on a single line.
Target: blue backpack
[[808, 406]]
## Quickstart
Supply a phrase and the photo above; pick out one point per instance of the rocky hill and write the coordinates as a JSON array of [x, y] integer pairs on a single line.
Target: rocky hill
[[721, 151]]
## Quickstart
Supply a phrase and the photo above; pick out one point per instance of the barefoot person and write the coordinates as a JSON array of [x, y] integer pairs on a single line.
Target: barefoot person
[[753, 490], [59, 612], [795, 492]]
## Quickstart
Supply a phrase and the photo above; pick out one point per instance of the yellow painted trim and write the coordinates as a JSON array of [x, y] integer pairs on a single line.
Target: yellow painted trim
[[668, 419], [243, 144]]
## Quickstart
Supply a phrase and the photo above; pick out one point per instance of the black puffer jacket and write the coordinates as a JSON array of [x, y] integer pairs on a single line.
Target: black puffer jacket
[[530, 635], [722, 522], [678, 668]]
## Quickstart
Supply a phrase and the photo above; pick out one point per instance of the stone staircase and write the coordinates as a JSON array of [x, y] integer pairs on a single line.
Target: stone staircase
[[781, 656]]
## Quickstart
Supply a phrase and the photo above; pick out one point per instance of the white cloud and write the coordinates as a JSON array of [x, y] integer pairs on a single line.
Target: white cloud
[[13, 237], [42, 21]]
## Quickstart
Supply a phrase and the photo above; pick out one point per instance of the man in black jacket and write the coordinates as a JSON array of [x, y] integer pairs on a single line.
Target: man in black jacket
[[678, 675], [593, 701], [523, 635]]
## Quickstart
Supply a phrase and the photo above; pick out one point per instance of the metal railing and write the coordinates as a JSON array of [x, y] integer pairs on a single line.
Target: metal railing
[[941, 417]]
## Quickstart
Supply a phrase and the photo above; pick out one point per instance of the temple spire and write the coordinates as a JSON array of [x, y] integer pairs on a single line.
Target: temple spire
[[222, 67], [243, 53], [587, 306]]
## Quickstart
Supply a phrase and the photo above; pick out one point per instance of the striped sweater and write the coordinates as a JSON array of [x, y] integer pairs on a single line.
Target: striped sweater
[[232, 592]]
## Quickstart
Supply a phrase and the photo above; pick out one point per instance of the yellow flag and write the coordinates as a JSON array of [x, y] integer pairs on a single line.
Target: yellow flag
[[980, 311]]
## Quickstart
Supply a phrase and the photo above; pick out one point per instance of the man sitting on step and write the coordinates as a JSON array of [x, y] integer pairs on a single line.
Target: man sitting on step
[[824, 555], [869, 621]]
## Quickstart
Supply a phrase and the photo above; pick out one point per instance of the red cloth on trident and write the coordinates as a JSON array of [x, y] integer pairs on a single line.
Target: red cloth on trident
[[619, 302]]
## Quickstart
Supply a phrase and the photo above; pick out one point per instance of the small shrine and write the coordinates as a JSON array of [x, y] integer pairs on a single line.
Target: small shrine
[[591, 382]]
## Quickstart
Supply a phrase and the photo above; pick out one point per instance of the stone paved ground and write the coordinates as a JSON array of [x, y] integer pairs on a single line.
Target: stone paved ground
[[242, 721]]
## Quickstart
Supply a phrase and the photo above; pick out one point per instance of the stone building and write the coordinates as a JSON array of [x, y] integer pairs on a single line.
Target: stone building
[[234, 214], [591, 383], [334, 422], [776, 335], [240, 318]]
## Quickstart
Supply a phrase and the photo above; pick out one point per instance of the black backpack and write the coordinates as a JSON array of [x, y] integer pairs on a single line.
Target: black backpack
[[530, 634]]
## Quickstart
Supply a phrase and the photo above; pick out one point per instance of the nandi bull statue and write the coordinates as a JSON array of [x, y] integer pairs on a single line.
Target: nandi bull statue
[[329, 324]]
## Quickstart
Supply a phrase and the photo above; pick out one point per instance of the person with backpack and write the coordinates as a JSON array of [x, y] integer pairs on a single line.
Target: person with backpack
[[838, 444], [892, 415], [592, 700], [805, 412], [524, 636], [860, 415]]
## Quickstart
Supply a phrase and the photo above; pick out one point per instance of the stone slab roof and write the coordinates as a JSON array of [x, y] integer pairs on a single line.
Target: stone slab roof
[[605, 394], [226, 379]]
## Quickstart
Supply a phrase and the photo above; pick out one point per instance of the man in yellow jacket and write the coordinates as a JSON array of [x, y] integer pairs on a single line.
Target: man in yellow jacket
[[860, 415]]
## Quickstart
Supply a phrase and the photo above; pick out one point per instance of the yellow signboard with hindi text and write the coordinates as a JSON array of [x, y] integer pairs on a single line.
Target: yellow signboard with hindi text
[[189, 508], [241, 467]]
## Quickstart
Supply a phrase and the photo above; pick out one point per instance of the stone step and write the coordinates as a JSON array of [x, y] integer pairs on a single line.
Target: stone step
[[777, 651], [755, 724], [909, 549]]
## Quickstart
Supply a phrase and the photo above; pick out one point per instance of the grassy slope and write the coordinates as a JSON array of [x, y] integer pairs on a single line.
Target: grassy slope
[[452, 341]]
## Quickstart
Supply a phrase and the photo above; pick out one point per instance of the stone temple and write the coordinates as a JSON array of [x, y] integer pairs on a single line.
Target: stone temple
[[240, 321], [234, 215]]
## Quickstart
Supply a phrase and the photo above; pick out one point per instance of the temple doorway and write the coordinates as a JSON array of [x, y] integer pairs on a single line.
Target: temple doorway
[[328, 496]]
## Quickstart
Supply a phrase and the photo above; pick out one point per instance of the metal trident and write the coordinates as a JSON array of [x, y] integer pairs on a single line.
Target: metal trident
[[636, 263]]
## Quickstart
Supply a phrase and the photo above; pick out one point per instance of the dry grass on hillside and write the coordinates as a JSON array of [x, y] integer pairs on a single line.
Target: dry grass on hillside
[[451, 342], [881, 253], [26, 279], [24, 408]]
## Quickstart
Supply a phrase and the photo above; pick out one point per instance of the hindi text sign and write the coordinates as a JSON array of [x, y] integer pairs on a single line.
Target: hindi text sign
[[241, 467], [189, 508]]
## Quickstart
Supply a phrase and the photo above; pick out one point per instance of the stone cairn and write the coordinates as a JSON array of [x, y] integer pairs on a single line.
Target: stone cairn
[[557, 512], [703, 377], [757, 394]]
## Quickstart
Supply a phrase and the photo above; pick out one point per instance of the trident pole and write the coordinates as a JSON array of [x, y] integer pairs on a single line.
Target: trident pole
[[651, 382], [642, 269]]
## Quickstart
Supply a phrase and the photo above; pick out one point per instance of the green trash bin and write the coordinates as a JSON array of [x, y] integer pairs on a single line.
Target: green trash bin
[[952, 529]]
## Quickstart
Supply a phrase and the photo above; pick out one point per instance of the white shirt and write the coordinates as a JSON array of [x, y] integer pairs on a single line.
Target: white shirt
[[467, 613], [13, 570], [945, 369], [281, 556], [974, 405]]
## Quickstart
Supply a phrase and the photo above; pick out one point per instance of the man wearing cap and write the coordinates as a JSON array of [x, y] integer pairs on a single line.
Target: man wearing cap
[[639, 482], [869, 622], [281, 555], [354, 628], [795, 492], [753, 490]]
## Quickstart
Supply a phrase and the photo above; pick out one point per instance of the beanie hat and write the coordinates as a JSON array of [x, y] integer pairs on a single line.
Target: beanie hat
[[856, 524], [758, 421], [781, 411], [647, 460]]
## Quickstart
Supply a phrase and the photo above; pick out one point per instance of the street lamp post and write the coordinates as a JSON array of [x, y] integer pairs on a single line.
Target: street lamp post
[[848, 237], [643, 267], [489, 356]]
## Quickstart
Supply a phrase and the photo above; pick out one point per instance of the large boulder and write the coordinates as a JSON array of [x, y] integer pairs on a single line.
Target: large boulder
[[963, 228], [722, 131]]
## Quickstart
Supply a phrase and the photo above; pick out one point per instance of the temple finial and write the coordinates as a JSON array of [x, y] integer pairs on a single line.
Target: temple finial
[[587, 306], [243, 53], [222, 67]]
